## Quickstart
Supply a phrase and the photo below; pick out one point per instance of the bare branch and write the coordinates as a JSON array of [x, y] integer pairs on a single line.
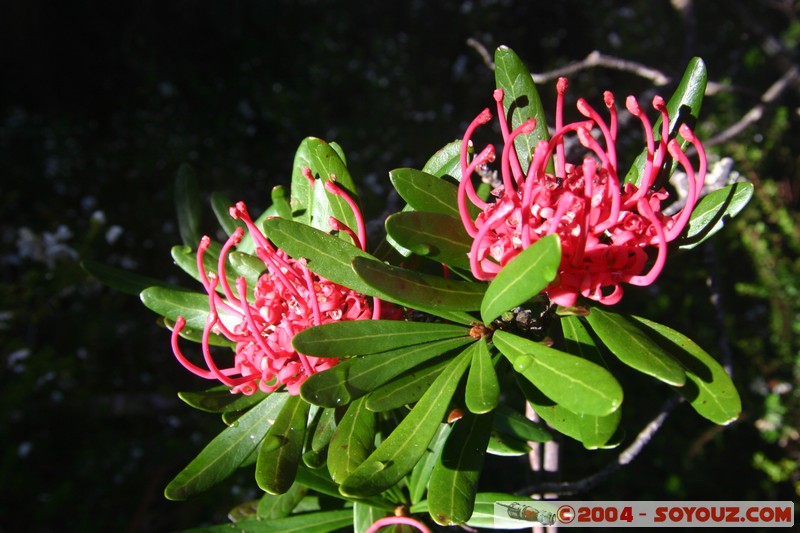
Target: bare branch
[[482, 51], [598, 59]]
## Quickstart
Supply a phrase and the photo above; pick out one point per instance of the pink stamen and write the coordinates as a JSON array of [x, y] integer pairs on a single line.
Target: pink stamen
[[334, 189]]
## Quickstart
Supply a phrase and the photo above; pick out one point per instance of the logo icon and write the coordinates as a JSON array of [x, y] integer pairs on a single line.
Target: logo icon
[[518, 511], [565, 514]]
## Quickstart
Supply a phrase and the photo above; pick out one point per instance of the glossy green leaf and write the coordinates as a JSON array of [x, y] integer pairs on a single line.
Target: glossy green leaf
[[327, 256], [522, 278], [120, 279], [220, 400], [406, 389], [712, 211], [187, 205], [196, 335], [573, 382], [421, 473], [401, 450], [484, 515], [441, 238], [578, 341], [445, 162], [454, 480], [683, 107], [509, 422], [173, 303], [709, 389], [600, 431], [247, 266], [425, 192], [323, 429], [272, 506], [556, 416], [221, 206], [312, 204], [320, 481], [319, 522], [352, 440], [506, 446], [227, 451], [364, 516], [360, 337], [483, 390], [521, 101], [631, 345], [281, 201], [424, 292], [353, 378], [282, 448]]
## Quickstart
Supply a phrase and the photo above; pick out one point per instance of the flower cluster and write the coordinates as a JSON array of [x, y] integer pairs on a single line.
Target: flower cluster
[[606, 227], [262, 320]]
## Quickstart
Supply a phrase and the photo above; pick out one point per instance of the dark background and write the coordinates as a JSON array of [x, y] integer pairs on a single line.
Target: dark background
[[100, 102]]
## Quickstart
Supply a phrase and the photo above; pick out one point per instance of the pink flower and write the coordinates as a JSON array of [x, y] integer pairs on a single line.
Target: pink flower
[[262, 320], [606, 228]]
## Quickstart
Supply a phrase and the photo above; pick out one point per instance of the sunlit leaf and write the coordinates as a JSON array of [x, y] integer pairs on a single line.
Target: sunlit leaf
[[319, 522], [709, 389], [172, 303], [352, 440], [282, 448], [522, 278], [187, 205], [483, 390], [445, 162], [281, 201], [365, 515], [503, 445], [227, 451], [401, 450], [573, 382], [221, 206], [220, 400], [323, 429], [454, 480], [712, 211], [521, 101], [484, 514], [353, 378], [513, 424], [360, 337], [425, 192], [320, 481], [406, 389], [421, 473], [631, 345], [273, 506], [441, 238]]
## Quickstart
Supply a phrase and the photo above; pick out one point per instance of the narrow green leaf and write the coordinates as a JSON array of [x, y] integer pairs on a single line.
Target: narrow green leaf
[[282, 448], [361, 337], [683, 107], [227, 451], [438, 237], [454, 480], [445, 162], [273, 506], [352, 440], [483, 390], [600, 431], [221, 206], [573, 382], [247, 266], [712, 211], [120, 279], [323, 430], [406, 389], [631, 345], [421, 473], [425, 192], [220, 400], [506, 446], [709, 388], [364, 516], [319, 522], [509, 422], [420, 291], [521, 101], [355, 377], [173, 303], [320, 481], [522, 278], [401, 450], [280, 200], [187, 205], [556, 416], [484, 515]]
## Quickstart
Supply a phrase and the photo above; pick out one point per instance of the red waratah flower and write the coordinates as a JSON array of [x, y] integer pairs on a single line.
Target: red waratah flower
[[287, 298], [606, 228]]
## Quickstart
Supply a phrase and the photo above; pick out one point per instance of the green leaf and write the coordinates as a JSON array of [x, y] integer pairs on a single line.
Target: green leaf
[[364, 516], [556, 416], [280, 201], [318, 522], [454, 480], [425, 192], [352, 440], [438, 237], [360, 337], [573, 382], [282, 448], [323, 429], [506, 446], [401, 450], [227, 451], [271, 506], [421, 473], [484, 515], [709, 388], [247, 266], [220, 400], [522, 278], [320, 481], [445, 162], [120, 279], [521, 101], [631, 345], [712, 211], [424, 292], [221, 205], [483, 390], [406, 389], [509, 422], [683, 107], [600, 431], [172, 303], [187, 205], [356, 377]]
